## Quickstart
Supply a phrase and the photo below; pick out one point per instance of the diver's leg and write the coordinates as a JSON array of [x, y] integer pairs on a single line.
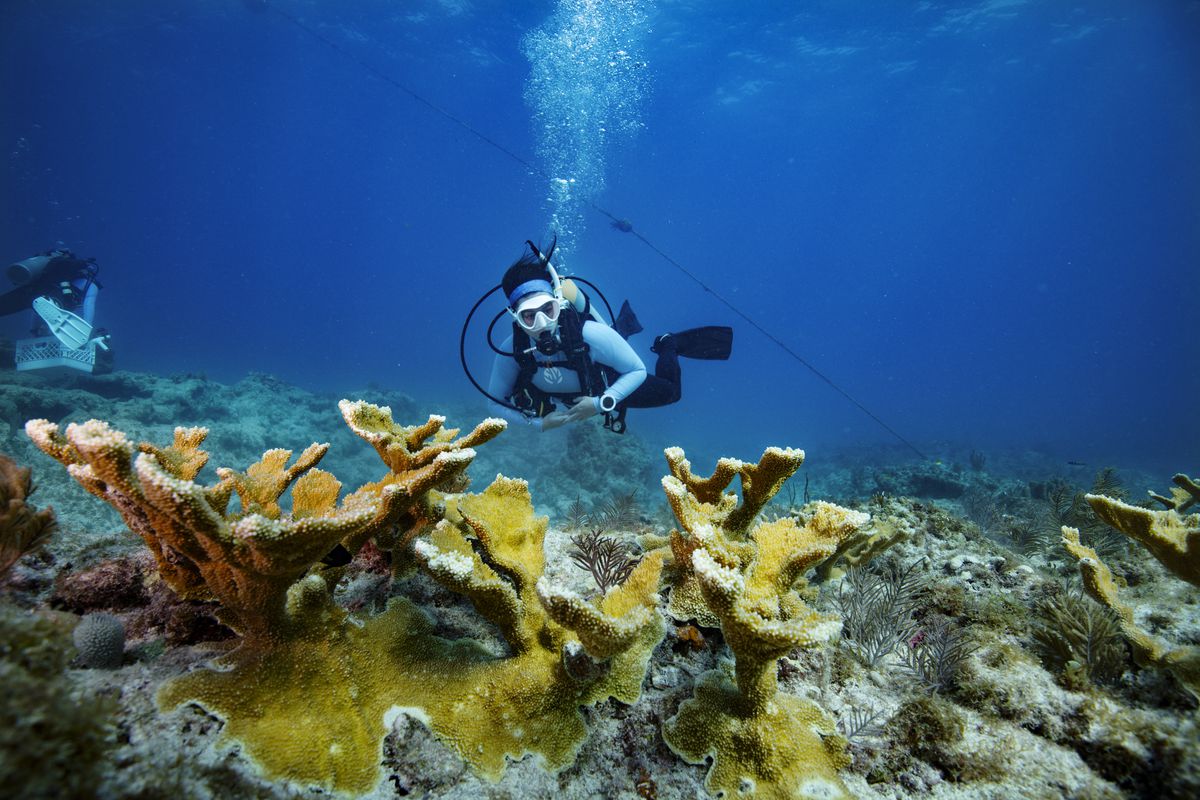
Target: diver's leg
[[17, 300], [663, 387], [667, 370]]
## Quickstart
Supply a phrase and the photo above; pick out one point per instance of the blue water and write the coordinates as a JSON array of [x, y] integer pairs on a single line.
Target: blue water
[[981, 220]]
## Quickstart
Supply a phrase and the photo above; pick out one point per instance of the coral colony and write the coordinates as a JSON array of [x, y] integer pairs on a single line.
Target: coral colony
[[303, 664], [733, 574]]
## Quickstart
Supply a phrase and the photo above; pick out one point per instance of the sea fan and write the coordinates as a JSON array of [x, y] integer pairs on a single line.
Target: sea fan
[[1031, 538], [1076, 633], [577, 515], [937, 654], [1059, 499], [861, 723], [621, 512], [1066, 506], [1107, 482], [983, 510], [876, 610], [607, 559]]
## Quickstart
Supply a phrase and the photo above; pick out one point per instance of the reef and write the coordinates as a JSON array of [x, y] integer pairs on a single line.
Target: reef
[[54, 737], [256, 561], [881, 646], [261, 564]]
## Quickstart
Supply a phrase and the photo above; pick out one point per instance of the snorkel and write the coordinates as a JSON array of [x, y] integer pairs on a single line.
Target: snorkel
[[545, 259]]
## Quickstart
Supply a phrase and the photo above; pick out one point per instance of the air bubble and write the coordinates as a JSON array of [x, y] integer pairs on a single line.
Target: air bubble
[[574, 79]]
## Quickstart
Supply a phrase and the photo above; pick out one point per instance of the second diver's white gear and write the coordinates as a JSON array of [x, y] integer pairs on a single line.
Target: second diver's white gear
[[29, 269], [72, 330]]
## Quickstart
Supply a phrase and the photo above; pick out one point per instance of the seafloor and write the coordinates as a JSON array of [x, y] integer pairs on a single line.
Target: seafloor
[[1033, 691]]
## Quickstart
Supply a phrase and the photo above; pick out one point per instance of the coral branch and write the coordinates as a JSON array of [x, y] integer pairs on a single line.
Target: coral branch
[[405, 448], [493, 708], [1184, 495], [1172, 538], [1098, 582], [22, 530]]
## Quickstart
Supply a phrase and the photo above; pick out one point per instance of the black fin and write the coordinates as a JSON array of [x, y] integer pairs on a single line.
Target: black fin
[[626, 322], [710, 343]]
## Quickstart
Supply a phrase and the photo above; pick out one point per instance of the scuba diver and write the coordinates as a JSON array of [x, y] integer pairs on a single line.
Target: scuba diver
[[562, 350], [60, 288]]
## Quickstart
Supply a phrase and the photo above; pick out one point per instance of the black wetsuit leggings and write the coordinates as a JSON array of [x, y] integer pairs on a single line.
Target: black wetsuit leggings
[[663, 387]]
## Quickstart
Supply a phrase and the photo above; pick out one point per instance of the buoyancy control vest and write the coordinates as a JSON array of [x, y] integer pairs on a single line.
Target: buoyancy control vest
[[593, 378], [528, 398], [532, 356]]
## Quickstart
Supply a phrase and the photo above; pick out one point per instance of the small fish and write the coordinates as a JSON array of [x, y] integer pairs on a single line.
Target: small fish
[[623, 225], [1076, 464], [339, 556]]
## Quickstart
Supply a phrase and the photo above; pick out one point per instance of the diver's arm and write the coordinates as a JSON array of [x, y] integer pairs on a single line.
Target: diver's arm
[[504, 377], [608, 348]]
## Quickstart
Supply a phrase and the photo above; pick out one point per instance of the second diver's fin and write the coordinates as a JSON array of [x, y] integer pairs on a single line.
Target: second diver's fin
[[626, 323], [711, 343], [72, 330]]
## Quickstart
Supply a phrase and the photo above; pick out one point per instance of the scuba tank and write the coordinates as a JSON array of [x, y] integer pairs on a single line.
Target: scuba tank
[[28, 270]]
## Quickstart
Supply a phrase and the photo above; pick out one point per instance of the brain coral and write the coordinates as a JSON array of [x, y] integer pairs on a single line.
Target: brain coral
[[100, 639]]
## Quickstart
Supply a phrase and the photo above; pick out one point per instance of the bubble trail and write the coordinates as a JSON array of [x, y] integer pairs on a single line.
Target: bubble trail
[[587, 84]]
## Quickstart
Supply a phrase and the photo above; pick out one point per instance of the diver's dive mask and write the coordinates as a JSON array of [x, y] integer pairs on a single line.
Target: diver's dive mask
[[537, 314], [536, 304]]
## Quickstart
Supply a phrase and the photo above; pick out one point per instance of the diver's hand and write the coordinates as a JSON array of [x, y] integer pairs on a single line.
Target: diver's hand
[[554, 420], [584, 408]]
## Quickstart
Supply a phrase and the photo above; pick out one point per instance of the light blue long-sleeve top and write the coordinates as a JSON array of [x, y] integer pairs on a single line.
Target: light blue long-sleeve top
[[607, 348]]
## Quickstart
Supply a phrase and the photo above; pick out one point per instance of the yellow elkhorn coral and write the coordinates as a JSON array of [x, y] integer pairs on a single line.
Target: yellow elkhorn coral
[[1171, 537], [1182, 662], [759, 740], [301, 664], [491, 708]]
